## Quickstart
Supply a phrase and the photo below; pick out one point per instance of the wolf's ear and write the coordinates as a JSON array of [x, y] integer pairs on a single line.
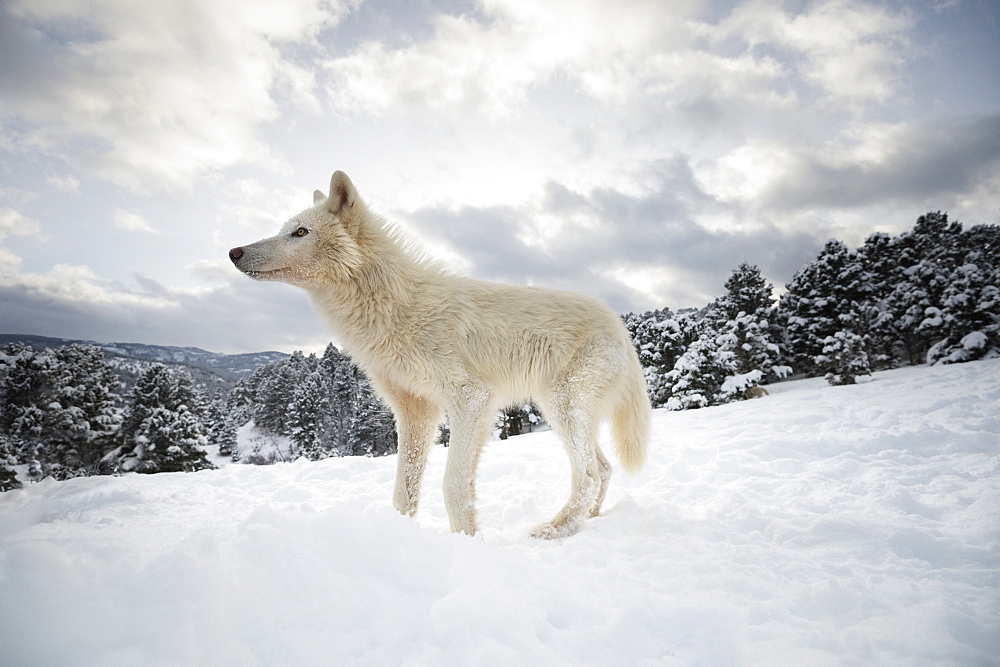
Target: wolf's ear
[[342, 194], [318, 196]]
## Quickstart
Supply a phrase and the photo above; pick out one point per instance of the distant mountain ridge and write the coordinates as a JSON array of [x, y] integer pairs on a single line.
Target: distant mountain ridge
[[232, 366]]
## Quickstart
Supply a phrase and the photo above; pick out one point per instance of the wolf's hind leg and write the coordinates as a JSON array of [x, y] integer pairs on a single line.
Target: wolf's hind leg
[[574, 407], [604, 470], [589, 470]]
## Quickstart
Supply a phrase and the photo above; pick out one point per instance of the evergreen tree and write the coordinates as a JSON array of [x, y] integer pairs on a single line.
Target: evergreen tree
[[8, 459], [913, 306], [660, 338], [967, 326], [61, 405], [444, 434], [697, 377], [343, 379], [748, 338], [746, 292], [242, 400], [172, 441], [163, 429], [925, 258], [305, 416], [516, 420], [733, 347], [744, 314], [984, 240], [26, 385], [844, 358], [221, 431], [819, 298], [88, 417], [276, 390], [879, 259], [372, 430]]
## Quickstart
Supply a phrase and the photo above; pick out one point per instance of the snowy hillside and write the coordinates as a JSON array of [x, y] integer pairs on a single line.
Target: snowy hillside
[[818, 525]]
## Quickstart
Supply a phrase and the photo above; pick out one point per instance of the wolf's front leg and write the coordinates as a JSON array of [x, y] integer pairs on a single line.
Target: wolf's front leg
[[417, 419], [470, 428]]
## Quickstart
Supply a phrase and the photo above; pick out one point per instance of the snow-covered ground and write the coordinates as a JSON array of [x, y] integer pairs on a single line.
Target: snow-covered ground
[[818, 525]]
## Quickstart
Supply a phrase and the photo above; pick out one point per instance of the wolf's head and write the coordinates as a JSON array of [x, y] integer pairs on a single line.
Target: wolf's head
[[318, 246]]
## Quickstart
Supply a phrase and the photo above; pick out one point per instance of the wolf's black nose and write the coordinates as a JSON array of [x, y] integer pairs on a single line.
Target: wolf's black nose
[[235, 253]]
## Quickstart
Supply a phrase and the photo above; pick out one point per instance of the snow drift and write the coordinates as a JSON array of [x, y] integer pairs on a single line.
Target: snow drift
[[818, 525]]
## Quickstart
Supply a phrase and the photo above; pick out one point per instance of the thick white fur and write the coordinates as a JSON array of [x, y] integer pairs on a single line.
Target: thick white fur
[[433, 342]]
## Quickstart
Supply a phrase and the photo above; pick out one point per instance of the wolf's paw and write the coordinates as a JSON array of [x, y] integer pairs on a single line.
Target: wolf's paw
[[554, 531], [405, 507]]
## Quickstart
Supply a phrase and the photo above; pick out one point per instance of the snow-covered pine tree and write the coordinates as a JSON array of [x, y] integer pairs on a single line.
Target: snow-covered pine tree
[[341, 379], [61, 405], [516, 420], [968, 322], [660, 338], [306, 411], [984, 240], [844, 358], [745, 313], [173, 441], [914, 304], [241, 399], [221, 431], [162, 430], [697, 377], [749, 338], [8, 460], [25, 383], [817, 300], [746, 292], [444, 434], [925, 258], [372, 429], [879, 260], [85, 387], [275, 392]]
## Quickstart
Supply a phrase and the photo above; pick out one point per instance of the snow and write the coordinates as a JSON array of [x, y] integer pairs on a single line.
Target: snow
[[735, 384], [818, 525], [976, 340]]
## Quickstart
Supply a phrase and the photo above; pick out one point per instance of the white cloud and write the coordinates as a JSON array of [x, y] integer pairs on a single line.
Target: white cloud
[[13, 223], [66, 183], [490, 64], [851, 50], [153, 96], [744, 172], [80, 285], [9, 262], [865, 161], [624, 52], [253, 211], [133, 222]]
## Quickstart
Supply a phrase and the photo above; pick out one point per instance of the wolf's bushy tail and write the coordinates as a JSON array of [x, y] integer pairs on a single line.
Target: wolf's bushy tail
[[630, 420]]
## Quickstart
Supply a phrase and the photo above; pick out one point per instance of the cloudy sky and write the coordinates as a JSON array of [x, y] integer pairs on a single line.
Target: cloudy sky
[[636, 150]]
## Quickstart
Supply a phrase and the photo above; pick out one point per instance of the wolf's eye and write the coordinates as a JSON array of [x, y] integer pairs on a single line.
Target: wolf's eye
[[301, 231]]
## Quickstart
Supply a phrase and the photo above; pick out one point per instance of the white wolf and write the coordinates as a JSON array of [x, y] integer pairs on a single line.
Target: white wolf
[[431, 342]]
